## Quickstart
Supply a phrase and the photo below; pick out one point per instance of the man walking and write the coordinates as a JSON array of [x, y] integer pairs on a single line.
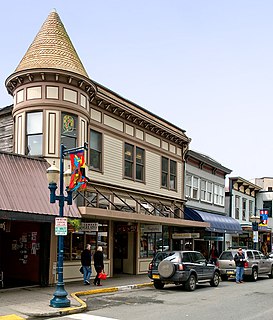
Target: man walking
[[239, 259], [86, 264]]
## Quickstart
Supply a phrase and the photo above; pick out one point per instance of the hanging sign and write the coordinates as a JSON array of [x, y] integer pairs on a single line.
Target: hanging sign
[[89, 226], [60, 226], [78, 179]]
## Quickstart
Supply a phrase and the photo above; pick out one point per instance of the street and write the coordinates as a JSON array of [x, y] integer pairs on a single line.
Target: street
[[247, 301]]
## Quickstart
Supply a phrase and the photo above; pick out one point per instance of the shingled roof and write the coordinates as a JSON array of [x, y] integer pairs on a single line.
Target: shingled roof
[[52, 48], [24, 187]]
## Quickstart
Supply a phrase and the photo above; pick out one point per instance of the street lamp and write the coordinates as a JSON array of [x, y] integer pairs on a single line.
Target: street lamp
[[54, 175], [255, 227]]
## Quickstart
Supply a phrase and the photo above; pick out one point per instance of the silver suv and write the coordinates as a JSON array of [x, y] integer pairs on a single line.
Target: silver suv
[[182, 267], [256, 264]]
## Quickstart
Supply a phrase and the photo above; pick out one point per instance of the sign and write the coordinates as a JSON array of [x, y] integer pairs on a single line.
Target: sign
[[152, 228], [263, 218], [255, 236], [60, 226], [89, 226], [213, 238], [186, 235], [127, 228]]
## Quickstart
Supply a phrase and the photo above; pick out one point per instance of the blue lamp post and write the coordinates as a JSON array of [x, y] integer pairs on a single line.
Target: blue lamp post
[[60, 299]]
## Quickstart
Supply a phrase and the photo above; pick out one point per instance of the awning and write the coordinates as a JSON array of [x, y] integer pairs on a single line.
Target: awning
[[218, 223]]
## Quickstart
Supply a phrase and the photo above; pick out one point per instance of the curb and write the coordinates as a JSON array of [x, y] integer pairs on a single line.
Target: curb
[[83, 305]]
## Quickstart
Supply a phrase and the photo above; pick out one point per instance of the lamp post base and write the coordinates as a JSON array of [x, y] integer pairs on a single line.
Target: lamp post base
[[60, 299]]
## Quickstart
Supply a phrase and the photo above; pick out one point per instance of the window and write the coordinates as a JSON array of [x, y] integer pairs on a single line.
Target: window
[[192, 187], [134, 162], [95, 150], [237, 207], [69, 131], [34, 93], [70, 95], [218, 195], [250, 211], [34, 134], [244, 209], [168, 173], [206, 191], [52, 92], [75, 242]]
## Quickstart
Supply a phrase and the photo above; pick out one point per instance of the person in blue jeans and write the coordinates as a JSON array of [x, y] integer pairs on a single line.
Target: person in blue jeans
[[239, 259], [86, 264]]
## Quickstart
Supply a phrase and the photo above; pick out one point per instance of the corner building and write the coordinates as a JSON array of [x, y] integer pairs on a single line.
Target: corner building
[[135, 160]]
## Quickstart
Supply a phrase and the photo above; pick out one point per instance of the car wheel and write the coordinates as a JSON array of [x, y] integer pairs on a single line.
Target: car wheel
[[190, 285], [166, 269], [215, 280], [158, 284], [271, 273], [224, 277], [254, 275]]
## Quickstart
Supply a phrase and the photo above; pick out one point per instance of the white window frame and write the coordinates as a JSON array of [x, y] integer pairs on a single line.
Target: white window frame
[[219, 198], [206, 190]]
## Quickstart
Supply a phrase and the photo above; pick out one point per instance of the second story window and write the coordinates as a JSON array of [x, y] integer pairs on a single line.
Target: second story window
[[69, 130], [206, 191], [168, 173], [244, 209], [95, 150], [134, 162], [219, 195], [237, 207], [192, 187], [34, 134], [250, 211]]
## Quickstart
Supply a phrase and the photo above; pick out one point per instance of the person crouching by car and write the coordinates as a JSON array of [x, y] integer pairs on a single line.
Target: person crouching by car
[[239, 259], [98, 264]]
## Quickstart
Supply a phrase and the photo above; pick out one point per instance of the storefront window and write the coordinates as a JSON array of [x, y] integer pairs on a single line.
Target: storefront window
[[151, 242], [75, 242]]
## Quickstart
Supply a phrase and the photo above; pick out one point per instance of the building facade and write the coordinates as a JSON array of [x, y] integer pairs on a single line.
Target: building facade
[[205, 194], [135, 162]]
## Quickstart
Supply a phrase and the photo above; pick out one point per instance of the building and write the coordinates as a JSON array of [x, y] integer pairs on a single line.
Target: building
[[135, 160], [205, 194], [241, 204]]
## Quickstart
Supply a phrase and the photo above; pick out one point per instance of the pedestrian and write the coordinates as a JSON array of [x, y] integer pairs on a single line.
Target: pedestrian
[[86, 264], [264, 249], [239, 259], [98, 264], [214, 255]]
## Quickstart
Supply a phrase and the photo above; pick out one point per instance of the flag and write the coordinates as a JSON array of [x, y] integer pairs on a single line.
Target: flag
[[78, 179]]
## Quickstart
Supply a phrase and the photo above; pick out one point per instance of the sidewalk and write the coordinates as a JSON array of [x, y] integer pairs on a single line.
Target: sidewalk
[[31, 302]]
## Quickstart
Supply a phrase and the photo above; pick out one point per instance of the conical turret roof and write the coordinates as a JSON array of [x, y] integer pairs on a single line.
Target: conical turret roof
[[52, 48]]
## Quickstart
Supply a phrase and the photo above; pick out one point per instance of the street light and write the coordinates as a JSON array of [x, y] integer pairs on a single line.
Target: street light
[[255, 227], [60, 299]]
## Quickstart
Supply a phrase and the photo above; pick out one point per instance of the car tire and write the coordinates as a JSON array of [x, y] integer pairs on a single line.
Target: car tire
[[190, 284], [224, 277], [215, 280], [271, 273], [166, 269], [254, 275], [158, 284]]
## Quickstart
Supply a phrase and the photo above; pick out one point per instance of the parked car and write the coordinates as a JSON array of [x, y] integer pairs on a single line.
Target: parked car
[[256, 264], [186, 268]]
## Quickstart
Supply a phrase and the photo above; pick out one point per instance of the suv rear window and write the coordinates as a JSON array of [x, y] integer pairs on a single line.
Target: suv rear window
[[226, 255]]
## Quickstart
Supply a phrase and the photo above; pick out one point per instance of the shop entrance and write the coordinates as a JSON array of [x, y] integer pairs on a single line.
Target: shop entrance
[[124, 248]]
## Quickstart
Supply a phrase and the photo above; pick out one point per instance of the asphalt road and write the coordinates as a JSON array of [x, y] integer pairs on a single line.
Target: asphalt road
[[251, 300]]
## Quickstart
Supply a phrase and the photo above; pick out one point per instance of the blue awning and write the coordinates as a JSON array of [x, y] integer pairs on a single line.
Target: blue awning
[[218, 223]]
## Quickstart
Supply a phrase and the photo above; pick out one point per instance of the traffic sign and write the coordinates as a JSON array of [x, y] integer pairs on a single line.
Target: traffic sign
[[60, 226]]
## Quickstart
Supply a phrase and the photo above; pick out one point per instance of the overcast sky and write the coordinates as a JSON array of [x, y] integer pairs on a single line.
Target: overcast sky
[[203, 65]]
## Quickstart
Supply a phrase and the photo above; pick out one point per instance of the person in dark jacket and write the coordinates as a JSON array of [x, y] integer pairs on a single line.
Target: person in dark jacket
[[98, 264], [86, 264], [214, 255], [239, 259]]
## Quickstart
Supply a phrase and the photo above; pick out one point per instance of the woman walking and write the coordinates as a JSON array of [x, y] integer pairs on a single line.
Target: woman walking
[[98, 264]]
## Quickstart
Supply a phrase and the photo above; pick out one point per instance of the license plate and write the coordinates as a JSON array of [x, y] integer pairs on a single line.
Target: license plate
[[230, 272], [155, 276]]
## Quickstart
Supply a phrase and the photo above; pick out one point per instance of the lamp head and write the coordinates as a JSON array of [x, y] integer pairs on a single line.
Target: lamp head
[[254, 218], [53, 174]]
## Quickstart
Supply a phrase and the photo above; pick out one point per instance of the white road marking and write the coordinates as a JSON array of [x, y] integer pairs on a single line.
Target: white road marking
[[88, 316]]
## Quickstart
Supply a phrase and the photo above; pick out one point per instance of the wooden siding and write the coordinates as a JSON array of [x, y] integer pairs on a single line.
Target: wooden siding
[[113, 170], [6, 133]]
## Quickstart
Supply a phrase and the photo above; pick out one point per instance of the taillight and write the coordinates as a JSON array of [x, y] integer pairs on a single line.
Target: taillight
[[180, 267], [246, 264], [217, 263], [150, 266]]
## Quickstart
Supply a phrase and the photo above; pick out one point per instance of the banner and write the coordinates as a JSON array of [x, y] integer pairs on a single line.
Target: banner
[[78, 179], [263, 218]]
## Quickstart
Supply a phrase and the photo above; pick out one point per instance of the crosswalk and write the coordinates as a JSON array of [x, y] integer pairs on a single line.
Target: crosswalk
[[83, 316]]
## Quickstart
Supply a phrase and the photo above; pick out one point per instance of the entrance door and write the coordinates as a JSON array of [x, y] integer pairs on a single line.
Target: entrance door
[[124, 249]]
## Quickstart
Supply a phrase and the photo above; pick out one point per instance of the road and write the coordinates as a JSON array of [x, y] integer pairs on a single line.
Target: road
[[248, 301]]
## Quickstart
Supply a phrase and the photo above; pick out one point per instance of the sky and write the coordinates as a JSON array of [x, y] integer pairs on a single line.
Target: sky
[[204, 65]]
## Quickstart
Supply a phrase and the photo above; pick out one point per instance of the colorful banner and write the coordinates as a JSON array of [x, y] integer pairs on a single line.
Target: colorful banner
[[263, 218], [78, 179]]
